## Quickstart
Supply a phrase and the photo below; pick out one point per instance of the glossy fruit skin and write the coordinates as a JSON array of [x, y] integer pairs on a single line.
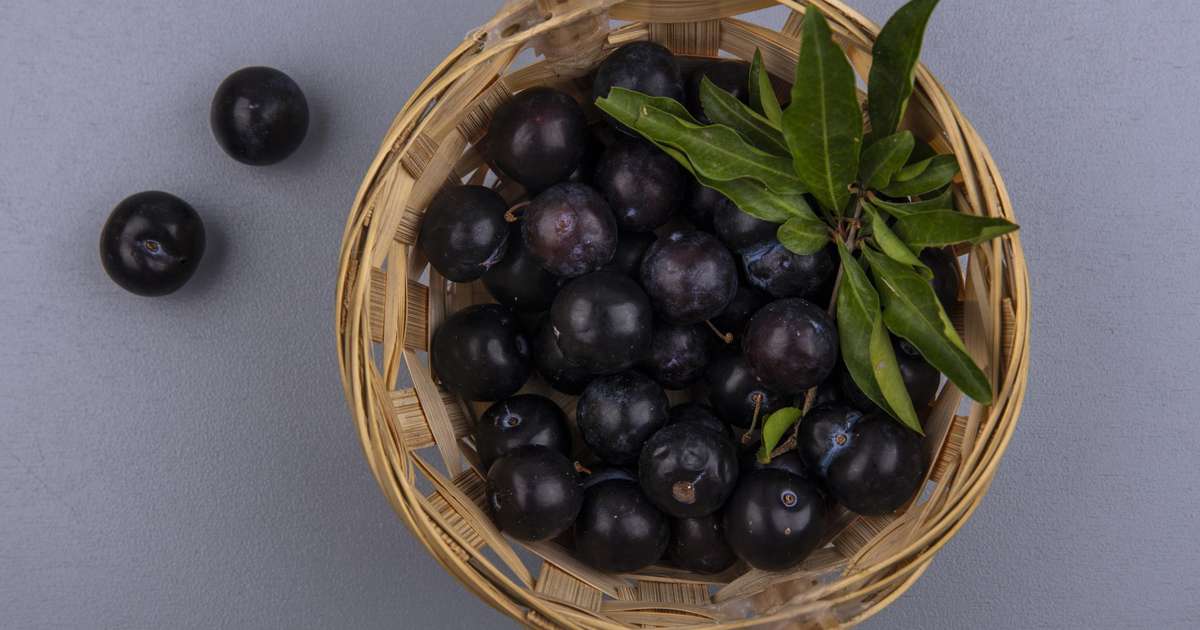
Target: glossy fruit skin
[[774, 519], [946, 277], [152, 243], [678, 354], [727, 74], [631, 248], [553, 365], [688, 469], [698, 544], [463, 232], [741, 231], [259, 116], [789, 462], [642, 185], [518, 280], [741, 308], [533, 493], [689, 277], [617, 414], [733, 388], [537, 138], [643, 66], [698, 413], [522, 420], [602, 322], [791, 345], [570, 230], [921, 379], [618, 529], [600, 474], [702, 206], [783, 273], [480, 353], [870, 463]]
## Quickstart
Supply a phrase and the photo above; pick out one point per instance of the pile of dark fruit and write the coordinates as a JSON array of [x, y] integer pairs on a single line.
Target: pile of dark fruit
[[652, 268]]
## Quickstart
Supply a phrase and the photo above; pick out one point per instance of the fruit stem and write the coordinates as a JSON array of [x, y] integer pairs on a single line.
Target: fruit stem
[[511, 215], [581, 469], [726, 337], [749, 434]]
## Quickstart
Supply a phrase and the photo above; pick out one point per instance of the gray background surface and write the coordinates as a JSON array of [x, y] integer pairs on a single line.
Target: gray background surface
[[189, 462]]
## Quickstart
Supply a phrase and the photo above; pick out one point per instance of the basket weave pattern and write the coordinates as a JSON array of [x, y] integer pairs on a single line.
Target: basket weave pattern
[[417, 440]]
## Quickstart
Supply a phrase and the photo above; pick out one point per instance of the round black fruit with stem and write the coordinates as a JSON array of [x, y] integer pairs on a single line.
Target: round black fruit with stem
[[618, 529], [519, 421], [688, 469], [464, 233], [737, 395], [698, 544], [480, 353], [642, 66], [921, 380], [791, 345], [259, 115], [552, 364], [616, 414], [631, 248], [689, 277], [741, 231], [783, 273], [741, 308], [946, 277], [699, 413], [602, 322], [151, 243], [703, 206], [870, 463], [643, 185], [727, 74], [537, 137], [570, 230], [678, 354], [533, 493], [774, 519], [519, 281]]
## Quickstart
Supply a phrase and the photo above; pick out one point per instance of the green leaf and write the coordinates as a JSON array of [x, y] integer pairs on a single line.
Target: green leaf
[[762, 92], [823, 125], [884, 158], [944, 201], [894, 63], [912, 169], [892, 245], [911, 310], [750, 196], [803, 236], [939, 171], [947, 227], [773, 430], [858, 320], [724, 108], [891, 380], [624, 105]]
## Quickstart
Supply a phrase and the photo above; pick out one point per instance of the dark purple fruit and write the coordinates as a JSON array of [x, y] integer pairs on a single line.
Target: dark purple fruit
[[741, 231], [774, 519], [727, 74], [602, 322], [870, 463], [533, 493], [642, 66], [537, 138], [946, 276], [703, 206], [602, 473], [736, 393], [789, 461], [631, 248], [699, 413], [259, 116], [570, 230], [151, 243], [689, 277], [618, 529], [643, 185], [678, 354], [920, 379], [480, 353], [519, 281], [464, 233], [519, 421], [698, 544], [791, 345], [737, 314], [688, 470], [593, 149], [617, 414], [784, 273], [553, 366]]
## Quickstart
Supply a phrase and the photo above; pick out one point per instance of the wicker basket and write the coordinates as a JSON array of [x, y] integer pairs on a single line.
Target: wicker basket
[[417, 440]]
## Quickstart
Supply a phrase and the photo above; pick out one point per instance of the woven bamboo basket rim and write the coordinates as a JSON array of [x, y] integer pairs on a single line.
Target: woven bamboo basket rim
[[417, 439]]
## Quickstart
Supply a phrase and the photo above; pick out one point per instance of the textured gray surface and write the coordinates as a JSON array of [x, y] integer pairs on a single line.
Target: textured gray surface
[[188, 461]]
